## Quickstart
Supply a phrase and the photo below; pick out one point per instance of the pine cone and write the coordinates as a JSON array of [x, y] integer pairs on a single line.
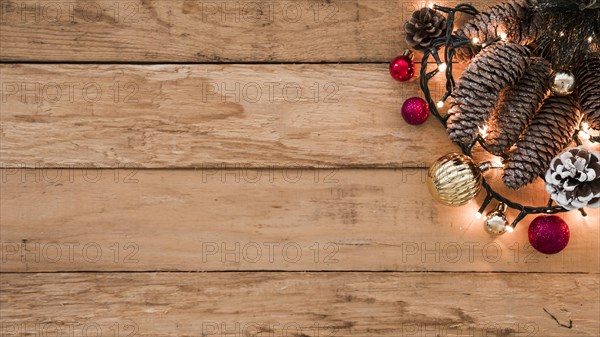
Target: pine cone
[[549, 133], [477, 91], [423, 27], [519, 104], [573, 179], [587, 75], [516, 18]]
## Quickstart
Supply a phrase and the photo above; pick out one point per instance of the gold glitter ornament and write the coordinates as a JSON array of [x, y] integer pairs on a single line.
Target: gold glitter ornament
[[455, 180]]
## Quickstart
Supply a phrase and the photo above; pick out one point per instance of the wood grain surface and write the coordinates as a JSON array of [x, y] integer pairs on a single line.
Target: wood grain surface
[[246, 219], [302, 304], [241, 169], [174, 116], [203, 31]]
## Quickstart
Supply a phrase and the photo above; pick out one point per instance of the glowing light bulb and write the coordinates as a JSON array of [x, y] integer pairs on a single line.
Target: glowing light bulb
[[442, 67], [430, 5], [584, 132], [509, 229], [589, 39], [483, 131], [475, 40], [503, 36], [440, 104], [478, 215], [562, 34]]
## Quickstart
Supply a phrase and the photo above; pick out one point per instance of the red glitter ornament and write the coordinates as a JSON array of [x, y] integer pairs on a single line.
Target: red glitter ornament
[[415, 111], [402, 68], [549, 234]]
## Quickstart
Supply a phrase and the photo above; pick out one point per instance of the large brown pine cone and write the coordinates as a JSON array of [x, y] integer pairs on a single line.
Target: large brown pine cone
[[518, 106], [549, 133], [587, 75], [573, 179], [515, 18], [423, 27], [477, 91]]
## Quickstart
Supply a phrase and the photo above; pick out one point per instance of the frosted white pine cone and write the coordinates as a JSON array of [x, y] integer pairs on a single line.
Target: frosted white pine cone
[[573, 179]]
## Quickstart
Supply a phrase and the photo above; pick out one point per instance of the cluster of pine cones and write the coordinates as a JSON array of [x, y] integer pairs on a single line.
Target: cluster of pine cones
[[507, 91]]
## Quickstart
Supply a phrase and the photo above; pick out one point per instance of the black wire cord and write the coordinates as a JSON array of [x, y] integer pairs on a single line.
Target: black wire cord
[[450, 43]]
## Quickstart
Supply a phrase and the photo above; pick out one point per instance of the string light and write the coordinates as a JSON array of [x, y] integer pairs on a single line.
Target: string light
[[430, 5], [483, 131], [452, 42], [562, 34], [584, 135], [590, 39], [475, 40], [509, 229], [584, 132], [440, 104]]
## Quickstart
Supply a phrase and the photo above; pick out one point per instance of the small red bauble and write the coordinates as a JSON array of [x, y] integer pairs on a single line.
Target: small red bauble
[[549, 234], [415, 111], [402, 68]]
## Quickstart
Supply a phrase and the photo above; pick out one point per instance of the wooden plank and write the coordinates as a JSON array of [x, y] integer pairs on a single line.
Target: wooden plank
[[170, 116], [297, 304], [205, 31], [297, 220]]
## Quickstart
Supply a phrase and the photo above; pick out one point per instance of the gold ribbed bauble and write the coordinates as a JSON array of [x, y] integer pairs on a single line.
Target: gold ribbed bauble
[[454, 179]]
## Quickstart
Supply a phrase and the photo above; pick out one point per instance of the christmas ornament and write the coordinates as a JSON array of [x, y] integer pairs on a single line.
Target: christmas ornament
[[587, 74], [478, 89], [549, 133], [423, 27], [455, 180], [402, 68], [519, 105], [573, 179], [501, 104], [563, 83], [496, 222], [548, 234], [415, 111], [512, 19]]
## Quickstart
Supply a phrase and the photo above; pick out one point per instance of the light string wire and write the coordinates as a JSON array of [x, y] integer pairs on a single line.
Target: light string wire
[[450, 43]]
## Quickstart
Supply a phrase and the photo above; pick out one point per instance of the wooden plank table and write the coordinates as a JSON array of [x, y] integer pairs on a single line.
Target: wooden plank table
[[240, 168]]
